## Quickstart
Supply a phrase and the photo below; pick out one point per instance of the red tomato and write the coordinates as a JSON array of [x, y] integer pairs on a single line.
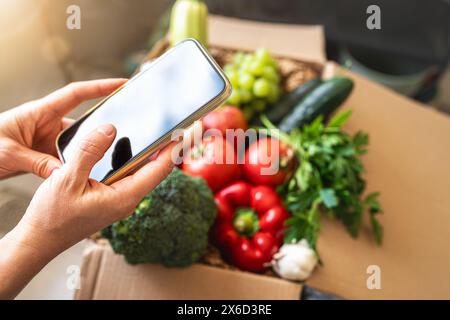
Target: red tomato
[[227, 117], [209, 161], [261, 167]]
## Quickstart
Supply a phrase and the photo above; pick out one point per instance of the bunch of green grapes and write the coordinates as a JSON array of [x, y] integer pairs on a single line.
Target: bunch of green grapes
[[255, 80]]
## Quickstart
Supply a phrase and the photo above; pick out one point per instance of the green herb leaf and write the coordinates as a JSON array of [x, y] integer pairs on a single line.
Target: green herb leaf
[[377, 229], [372, 202], [329, 198], [360, 142], [338, 120], [304, 225], [304, 175]]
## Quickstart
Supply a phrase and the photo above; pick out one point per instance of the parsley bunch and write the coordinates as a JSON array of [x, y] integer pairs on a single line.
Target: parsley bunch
[[328, 178]]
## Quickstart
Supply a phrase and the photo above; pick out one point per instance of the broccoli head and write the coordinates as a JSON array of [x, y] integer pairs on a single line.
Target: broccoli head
[[169, 226]]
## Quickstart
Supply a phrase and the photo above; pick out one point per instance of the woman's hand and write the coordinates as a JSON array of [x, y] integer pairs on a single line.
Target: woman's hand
[[28, 132], [68, 206]]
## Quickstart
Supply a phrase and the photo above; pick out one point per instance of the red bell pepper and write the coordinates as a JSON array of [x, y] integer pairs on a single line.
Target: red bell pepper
[[249, 226]]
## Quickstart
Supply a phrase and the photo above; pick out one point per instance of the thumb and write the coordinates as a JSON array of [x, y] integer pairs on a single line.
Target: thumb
[[91, 149], [41, 164]]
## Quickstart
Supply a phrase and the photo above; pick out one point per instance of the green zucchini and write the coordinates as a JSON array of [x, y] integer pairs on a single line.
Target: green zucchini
[[279, 110], [323, 100]]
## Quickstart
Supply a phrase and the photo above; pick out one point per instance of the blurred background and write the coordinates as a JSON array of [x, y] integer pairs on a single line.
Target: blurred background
[[40, 54]]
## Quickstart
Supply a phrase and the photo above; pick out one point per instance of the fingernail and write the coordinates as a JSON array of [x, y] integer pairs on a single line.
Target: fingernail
[[107, 129]]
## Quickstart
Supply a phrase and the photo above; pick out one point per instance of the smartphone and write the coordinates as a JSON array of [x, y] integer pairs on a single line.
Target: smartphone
[[174, 91]]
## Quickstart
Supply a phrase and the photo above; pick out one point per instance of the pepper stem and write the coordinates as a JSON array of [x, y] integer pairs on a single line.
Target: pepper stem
[[246, 222]]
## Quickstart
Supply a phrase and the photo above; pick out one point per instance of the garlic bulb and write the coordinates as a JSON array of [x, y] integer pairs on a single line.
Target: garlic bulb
[[295, 261]]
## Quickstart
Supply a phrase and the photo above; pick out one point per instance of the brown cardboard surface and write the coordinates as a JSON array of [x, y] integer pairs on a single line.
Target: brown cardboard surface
[[409, 163], [106, 275], [292, 41]]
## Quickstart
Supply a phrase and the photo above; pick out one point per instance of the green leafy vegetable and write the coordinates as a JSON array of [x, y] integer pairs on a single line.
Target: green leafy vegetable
[[169, 226], [329, 178]]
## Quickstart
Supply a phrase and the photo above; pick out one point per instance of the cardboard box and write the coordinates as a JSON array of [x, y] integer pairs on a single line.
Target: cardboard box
[[106, 275], [408, 161]]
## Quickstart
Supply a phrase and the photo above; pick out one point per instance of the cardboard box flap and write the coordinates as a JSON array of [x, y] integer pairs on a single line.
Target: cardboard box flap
[[106, 275], [409, 163], [292, 41]]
